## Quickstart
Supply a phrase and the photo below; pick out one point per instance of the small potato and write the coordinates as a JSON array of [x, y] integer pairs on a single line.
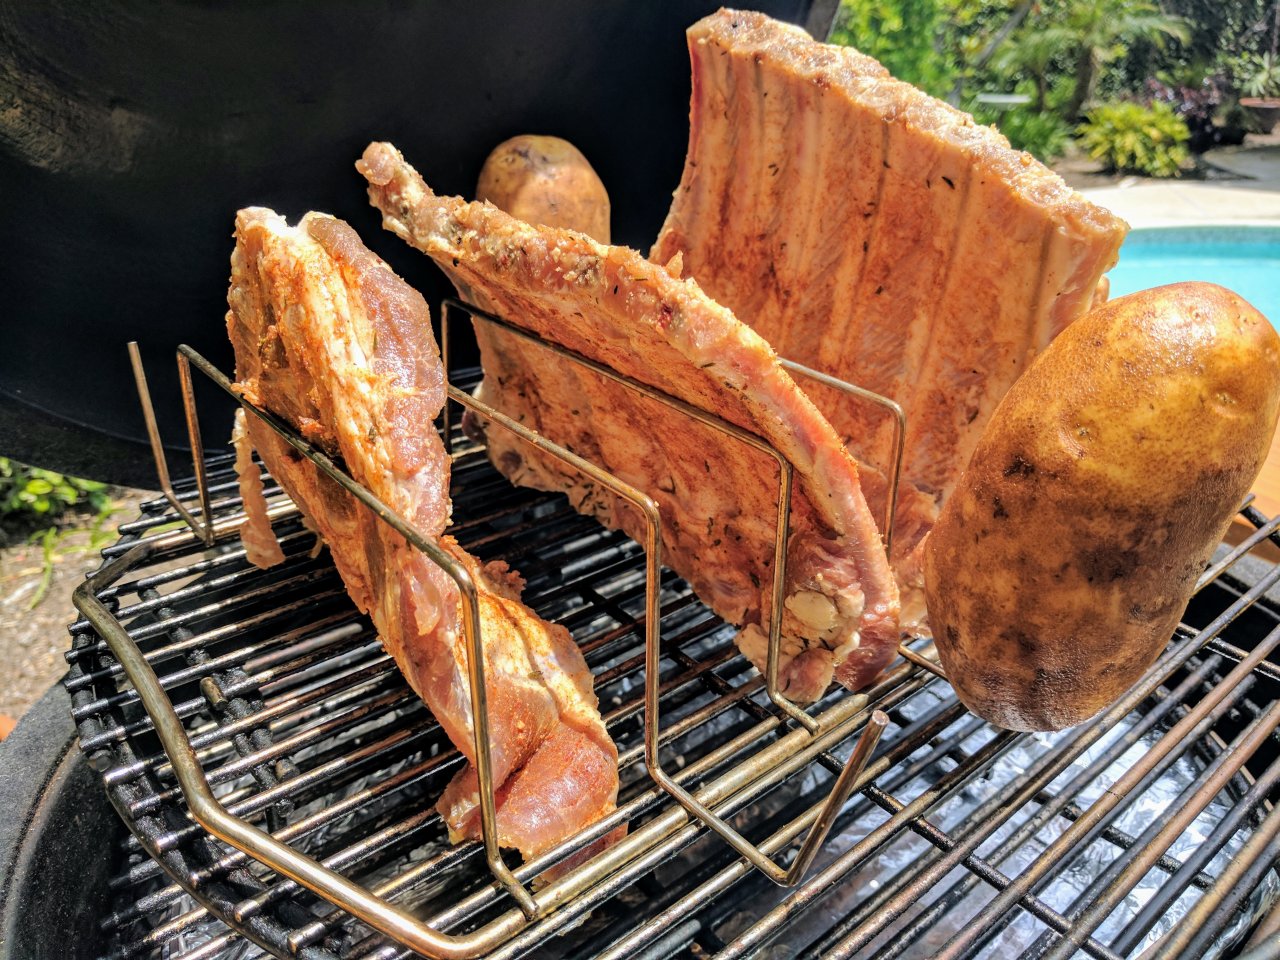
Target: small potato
[[1105, 479], [546, 181]]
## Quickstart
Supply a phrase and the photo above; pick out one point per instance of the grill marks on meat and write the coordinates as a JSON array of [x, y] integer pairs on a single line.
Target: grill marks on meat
[[717, 496], [328, 337], [879, 235]]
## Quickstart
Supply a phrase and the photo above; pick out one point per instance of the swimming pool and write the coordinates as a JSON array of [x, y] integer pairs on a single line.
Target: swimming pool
[[1243, 259]]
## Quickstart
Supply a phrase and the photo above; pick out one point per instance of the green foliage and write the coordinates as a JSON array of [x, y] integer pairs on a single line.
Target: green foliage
[[1219, 28], [904, 35], [1256, 75], [29, 493], [1130, 138], [1078, 38], [53, 548], [1043, 135], [1066, 55], [1038, 47], [1032, 57]]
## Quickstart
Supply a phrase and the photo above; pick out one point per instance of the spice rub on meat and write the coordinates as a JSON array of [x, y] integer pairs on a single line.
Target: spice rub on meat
[[874, 233], [327, 337], [717, 495]]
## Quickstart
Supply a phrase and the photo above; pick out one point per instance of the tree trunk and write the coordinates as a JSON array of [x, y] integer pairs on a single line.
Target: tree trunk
[[1042, 91], [1083, 90]]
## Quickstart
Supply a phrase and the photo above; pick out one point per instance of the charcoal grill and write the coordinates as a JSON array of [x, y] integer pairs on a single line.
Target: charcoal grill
[[959, 839], [1150, 831]]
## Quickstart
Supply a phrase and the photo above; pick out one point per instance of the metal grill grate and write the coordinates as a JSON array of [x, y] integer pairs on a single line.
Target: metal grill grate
[[965, 841]]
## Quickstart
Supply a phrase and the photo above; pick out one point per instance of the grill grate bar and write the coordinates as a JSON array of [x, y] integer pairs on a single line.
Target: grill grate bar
[[985, 869], [648, 800], [1229, 650], [1210, 915], [290, 542], [974, 933], [329, 772], [229, 485], [1060, 806], [185, 641], [912, 740], [1154, 908], [265, 591], [279, 715], [982, 870], [176, 536], [234, 769], [1123, 873], [988, 820], [935, 794]]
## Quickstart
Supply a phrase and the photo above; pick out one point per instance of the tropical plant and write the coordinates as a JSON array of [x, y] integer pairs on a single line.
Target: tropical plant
[[1218, 28], [1130, 138], [1091, 33], [1032, 56], [977, 34], [1257, 75]]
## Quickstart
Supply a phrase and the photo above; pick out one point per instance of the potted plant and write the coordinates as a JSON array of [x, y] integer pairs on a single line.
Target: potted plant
[[1259, 79]]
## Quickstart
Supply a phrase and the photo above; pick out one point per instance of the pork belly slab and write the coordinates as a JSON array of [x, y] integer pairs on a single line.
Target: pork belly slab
[[326, 336], [717, 495], [877, 234]]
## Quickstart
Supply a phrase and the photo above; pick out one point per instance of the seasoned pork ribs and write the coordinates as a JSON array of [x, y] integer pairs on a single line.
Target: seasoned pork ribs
[[872, 232], [326, 336], [717, 495]]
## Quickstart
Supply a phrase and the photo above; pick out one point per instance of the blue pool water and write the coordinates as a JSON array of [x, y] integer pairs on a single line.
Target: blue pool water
[[1243, 259]]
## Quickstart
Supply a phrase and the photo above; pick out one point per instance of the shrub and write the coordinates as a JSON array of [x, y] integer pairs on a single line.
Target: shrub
[[1206, 106], [1043, 135], [1257, 75], [1130, 138], [29, 493]]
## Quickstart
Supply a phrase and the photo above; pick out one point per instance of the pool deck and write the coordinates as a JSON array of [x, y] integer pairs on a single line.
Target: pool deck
[[1245, 202], [1191, 203]]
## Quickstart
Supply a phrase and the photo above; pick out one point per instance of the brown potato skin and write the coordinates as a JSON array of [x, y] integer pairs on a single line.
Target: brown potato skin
[[546, 181], [1108, 474]]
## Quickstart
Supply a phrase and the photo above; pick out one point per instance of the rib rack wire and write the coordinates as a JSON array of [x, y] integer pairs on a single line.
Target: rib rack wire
[[1147, 831]]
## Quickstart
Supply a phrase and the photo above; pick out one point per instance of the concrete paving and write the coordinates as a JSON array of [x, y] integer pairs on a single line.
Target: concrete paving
[[1254, 199], [1162, 204]]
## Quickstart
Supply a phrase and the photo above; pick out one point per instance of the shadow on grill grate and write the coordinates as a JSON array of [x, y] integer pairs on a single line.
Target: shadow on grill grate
[[969, 841]]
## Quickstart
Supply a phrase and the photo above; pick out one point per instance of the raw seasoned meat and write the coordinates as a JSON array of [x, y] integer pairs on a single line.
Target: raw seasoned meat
[[328, 337], [261, 547], [880, 235], [717, 495]]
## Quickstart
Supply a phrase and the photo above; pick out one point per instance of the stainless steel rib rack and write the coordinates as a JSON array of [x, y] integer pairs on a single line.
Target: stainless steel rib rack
[[957, 839]]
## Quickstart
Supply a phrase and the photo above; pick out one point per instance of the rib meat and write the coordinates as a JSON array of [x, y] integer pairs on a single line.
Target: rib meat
[[880, 235], [261, 548], [328, 337], [717, 496]]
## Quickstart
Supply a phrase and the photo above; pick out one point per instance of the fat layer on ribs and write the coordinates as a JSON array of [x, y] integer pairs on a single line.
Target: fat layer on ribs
[[328, 337], [717, 495], [877, 234]]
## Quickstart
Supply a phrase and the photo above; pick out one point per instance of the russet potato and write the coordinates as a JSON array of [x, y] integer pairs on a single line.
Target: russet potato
[[1106, 477], [546, 181]]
